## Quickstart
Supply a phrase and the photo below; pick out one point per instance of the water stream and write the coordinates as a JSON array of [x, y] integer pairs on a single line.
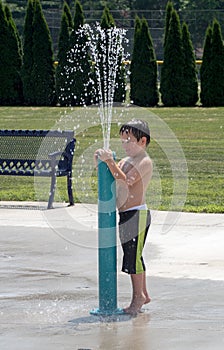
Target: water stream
[[106, 51], [106, 48]]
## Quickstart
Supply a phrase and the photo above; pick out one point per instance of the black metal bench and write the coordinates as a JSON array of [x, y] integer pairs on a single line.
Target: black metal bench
[[38, 153]]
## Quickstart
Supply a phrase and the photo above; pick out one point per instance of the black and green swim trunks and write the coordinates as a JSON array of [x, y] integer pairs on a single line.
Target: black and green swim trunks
[[133, 229]]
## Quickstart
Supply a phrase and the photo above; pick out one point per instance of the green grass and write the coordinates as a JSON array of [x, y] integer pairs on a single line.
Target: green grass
[[187, 149]]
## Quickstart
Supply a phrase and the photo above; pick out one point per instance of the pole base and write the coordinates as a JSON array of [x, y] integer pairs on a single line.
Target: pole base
[[98, 312]]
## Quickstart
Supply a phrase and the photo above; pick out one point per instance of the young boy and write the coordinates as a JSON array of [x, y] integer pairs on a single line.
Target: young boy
[[132, 175]]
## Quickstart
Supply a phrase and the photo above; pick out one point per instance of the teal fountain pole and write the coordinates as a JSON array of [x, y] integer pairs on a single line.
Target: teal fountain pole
[[107, 243], [106, 51]]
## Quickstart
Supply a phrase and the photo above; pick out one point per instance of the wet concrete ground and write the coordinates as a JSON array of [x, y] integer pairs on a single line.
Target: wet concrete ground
[[48, 283]]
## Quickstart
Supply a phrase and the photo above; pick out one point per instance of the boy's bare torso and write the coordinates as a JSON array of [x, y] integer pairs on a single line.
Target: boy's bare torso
[[138, 171]]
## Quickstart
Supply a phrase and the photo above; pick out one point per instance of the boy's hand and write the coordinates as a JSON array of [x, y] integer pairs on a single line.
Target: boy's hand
[[103, 154]]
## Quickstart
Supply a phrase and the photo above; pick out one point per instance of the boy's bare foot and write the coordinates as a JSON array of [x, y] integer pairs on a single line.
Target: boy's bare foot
[[147, 300], [135, 305]]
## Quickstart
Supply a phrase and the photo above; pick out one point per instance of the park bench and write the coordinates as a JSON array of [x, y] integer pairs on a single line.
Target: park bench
[[46, 153]]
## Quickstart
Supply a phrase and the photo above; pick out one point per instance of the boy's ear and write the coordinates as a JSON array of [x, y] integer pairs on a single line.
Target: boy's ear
[[144, 140]]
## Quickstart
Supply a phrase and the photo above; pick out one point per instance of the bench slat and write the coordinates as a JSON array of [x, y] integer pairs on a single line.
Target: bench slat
[[38, 153]]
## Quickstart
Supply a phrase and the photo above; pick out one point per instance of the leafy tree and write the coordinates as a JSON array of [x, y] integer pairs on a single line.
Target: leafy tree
[[43, 72], [190, 82], [27, 66], [150, 4], [171, 86], [203, 4], [10, 60], [112, 4], [63, 48], [203, 18], [142, 5], [144, 75]]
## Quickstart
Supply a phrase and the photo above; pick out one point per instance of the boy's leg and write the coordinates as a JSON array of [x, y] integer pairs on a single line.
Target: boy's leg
[[138, 297], [148, 299]]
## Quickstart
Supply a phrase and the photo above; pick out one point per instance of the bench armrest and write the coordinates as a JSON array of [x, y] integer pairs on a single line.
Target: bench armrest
[[54, 154]]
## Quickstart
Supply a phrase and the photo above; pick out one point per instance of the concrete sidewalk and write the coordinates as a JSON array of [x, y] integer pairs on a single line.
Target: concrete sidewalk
[[48, 276]]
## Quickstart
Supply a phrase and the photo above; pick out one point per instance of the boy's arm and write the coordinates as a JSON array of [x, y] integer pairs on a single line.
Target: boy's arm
[[133, 175], [115, 170], [107, 157]]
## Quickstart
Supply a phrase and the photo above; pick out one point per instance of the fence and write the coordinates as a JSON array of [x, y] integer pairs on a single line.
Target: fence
[[197, 21]]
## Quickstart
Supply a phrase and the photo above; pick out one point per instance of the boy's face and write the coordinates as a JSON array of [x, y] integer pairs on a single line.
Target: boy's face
[[130, 144]]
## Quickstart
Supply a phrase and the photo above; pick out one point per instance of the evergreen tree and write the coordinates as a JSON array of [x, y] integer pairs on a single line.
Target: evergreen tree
[[78, 88], [171, 86], [67, 11], [120, 81], [12, 24], [169, 9], [27, 66], [10, 60], [205, 71], [107, 20], [135, 54], [63, 48], [144, 76], [109, 69], [100, 69], [78, 17], [190, 82], [104, 91], [43, 72], [217, 66], [15, 60], [3, 56]]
